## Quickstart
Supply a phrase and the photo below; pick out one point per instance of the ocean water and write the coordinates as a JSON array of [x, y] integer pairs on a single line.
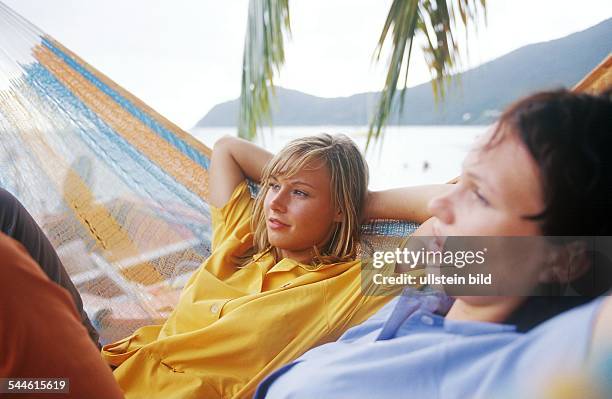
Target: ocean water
[[406, 156]]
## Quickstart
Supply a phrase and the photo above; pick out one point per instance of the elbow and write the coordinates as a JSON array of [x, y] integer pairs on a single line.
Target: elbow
[[224, 143]]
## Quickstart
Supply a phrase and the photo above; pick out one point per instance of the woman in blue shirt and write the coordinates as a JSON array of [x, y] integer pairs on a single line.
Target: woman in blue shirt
[[544, 170]]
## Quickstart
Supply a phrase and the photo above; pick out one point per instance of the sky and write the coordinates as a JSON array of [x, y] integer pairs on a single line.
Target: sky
[[182, 57]]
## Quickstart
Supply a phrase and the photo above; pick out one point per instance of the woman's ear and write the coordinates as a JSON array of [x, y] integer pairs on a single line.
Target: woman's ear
[[566, 263]]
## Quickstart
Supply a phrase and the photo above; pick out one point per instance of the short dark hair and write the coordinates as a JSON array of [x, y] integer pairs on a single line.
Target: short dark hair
[[569, 135]]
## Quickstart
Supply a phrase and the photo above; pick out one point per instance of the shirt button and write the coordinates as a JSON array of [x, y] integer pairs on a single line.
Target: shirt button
[[428, 320], [215, 308]]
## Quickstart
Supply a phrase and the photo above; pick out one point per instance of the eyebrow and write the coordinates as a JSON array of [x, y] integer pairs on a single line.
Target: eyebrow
[[296, 182], [472, 175]]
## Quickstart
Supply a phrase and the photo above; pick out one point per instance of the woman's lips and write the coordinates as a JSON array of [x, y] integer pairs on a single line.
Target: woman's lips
[[276, 224]]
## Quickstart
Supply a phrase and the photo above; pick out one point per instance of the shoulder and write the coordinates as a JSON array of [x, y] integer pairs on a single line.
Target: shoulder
[[572, 337], [562, 340], [233, 220], [602, 329], [579, 320], [239, 201]]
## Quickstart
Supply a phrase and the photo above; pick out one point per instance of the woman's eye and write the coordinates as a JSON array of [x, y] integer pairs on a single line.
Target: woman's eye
[[480, 197], [274, 186], [300, 193]]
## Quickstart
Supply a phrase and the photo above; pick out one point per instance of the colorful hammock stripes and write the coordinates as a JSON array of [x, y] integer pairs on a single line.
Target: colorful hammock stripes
[[120, 191]]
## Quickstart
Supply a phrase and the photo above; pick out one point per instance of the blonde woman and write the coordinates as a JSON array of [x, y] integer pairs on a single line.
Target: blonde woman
[[283, 275]]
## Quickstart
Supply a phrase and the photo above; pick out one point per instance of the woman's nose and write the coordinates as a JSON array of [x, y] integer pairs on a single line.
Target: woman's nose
[[441, 207], [278, 203]]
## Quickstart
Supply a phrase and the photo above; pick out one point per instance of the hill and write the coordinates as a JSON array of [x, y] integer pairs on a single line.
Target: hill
[[476, 97]]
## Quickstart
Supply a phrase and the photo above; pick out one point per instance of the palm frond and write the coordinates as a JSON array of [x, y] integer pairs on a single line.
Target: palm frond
[[436, 22], [268, 22]]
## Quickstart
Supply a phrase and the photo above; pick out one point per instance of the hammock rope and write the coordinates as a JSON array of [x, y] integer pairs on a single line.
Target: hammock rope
[[119, 190]]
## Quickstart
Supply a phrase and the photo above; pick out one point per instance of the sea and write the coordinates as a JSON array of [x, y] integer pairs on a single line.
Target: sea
[[404, 156]]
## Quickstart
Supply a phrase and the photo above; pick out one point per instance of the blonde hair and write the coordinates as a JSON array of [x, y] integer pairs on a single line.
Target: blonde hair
[[349, 182]]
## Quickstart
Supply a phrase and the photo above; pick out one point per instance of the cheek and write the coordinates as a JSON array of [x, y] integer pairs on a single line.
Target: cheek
[[517, 226], [482, 222], [498, 223], [309, 212], [314, 218]]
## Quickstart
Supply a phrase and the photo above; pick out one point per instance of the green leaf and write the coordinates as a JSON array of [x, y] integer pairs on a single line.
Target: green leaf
[[268, 22], [434, 21]]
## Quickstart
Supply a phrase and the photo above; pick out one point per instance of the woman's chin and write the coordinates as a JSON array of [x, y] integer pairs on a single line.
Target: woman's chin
[[276, 239]]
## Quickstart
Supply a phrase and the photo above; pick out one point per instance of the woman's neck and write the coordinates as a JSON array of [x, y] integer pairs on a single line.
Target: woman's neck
[[485, 309]]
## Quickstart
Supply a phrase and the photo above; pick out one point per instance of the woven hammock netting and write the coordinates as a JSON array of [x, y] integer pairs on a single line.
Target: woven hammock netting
[[119, 190]]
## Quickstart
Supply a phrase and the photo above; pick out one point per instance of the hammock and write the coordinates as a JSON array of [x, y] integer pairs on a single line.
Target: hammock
[[119, 190]]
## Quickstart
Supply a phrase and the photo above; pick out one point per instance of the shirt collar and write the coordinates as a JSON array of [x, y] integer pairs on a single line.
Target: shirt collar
[[414, 304], [410, 302], [287, 264]]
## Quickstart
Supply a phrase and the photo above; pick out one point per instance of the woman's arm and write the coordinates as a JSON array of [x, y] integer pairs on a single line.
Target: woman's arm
[[407, 203], [233, 160]]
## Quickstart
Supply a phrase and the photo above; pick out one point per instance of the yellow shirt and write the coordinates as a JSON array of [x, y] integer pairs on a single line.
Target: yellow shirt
[[233, 326]]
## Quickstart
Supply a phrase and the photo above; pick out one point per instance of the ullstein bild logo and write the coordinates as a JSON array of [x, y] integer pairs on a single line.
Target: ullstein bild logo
[[522, 266]]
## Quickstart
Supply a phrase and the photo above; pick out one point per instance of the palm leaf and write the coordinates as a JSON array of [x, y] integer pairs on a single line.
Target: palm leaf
[[264, 54], [435, 21]]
